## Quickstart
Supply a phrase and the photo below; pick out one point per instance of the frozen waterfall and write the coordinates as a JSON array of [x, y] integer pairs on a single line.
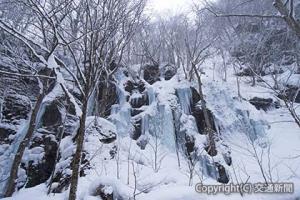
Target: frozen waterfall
[[185, 96]]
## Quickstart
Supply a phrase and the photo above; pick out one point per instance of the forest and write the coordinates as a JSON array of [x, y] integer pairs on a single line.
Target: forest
[[110, 100]]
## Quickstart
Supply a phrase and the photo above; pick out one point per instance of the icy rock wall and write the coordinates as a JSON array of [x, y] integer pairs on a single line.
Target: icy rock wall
[[191, 136], [166, 110]]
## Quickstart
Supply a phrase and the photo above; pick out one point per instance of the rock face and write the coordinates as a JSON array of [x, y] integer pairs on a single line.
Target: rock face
[[60, 176], [44, 142], [138, 99], [169, 72], [137, 132], [213, 169], [53, 125], [15, 107], [223, 176], [149, 106], [197, 112], [40, 172], [264, 104], [151, 73], [6, 132], [52, 115], [16, 97], [137, 94], [106, 98], [131, 86], [24, 86]]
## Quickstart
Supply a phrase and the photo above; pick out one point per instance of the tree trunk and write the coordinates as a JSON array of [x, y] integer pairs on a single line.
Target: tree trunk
[[238, 87], [60, 136], [292, 112], [77, 157], [211, 133], [104, 100], [176, 138], [11, 183], [224, 66], [289, 19], [253, 80]]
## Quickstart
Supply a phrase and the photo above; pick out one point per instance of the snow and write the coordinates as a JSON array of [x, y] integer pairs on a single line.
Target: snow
[[277, 136], [35, 154], [174, 193], [243, 130], [107, 128], [62, 84]]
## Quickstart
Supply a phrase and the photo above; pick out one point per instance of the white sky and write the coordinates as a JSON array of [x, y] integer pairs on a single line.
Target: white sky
[[162, 6]]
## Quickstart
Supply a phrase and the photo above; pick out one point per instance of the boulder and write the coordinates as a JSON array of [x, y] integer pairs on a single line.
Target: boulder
[[138, 100], [189, 144], [169, 72], [131, 86], [223, 176], [104, 192], [151, 73], [264, 104], [104, 129], [137, 131]]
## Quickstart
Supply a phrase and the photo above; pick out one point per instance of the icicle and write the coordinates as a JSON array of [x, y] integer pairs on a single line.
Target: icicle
[[168, 129], [114, 109], [208, 169], [120, 116], [145, 125], [185, 96], [22, 130], [6, 157], [121, 96], [151, 95], [125, 117], [40, 114]]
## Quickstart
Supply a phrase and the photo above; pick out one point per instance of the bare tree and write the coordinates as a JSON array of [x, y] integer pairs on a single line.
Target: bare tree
[[94, 35], [45, 56], [108, 27], [197, 47], [287, 12], [257, 25]]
